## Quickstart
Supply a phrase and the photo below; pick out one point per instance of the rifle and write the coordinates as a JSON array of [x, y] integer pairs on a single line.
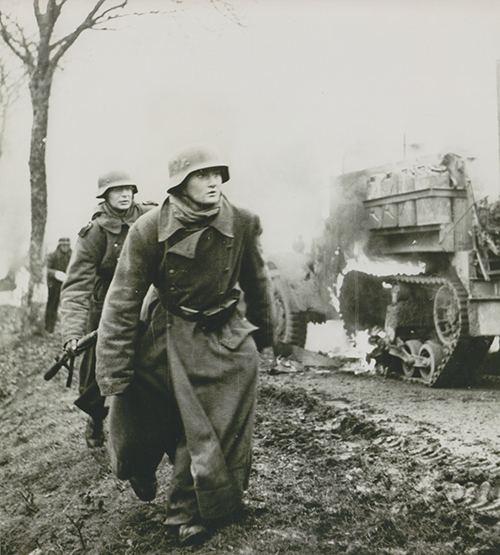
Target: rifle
[[68, 359]]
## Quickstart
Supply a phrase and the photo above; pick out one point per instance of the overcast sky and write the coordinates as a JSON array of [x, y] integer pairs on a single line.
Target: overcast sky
[[291, 91]]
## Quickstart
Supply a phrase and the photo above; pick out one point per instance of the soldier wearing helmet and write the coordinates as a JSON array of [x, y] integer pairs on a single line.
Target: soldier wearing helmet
[[88, 278], [183, 382], [57, 263]]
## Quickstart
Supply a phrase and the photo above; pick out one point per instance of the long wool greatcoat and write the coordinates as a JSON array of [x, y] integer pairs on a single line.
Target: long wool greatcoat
[[88, 278], [176, 387]]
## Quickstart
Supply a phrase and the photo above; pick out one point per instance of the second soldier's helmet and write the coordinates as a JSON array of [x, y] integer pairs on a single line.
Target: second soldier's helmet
[[114, 179], [193, 159]]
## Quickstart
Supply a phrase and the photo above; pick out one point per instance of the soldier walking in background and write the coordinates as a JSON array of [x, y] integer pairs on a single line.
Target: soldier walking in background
[[89, 276], [184, 384], [57, 262]]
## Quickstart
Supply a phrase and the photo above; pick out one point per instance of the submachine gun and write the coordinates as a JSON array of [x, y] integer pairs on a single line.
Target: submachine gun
[[67, 360]]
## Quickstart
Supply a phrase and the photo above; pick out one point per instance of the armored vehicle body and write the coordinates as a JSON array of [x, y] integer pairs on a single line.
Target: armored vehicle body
[[433, 306]]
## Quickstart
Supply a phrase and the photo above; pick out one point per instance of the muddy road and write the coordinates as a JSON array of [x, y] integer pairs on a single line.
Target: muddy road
[[343, 463], [467, 420]]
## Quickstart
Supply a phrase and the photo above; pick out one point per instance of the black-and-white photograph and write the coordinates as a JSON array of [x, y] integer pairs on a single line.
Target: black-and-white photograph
[[249, 277]]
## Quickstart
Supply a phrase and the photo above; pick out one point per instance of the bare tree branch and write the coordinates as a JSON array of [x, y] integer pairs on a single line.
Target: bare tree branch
[[9, 92], [61, 4], [38, 13], [26, 43], [93, 21], [53, 11], [102, 16], [13, 86], [11, 80], [228, 11], [63, 44], [121, 15], [46, 25], [40, 59], [19, 46]]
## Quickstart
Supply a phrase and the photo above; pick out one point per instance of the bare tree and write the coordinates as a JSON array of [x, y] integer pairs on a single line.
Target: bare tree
[[40, 57], [9, 92]]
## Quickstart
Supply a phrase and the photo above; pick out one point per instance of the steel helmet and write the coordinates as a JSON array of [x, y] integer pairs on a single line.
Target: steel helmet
[[193, 159], [114, 179]]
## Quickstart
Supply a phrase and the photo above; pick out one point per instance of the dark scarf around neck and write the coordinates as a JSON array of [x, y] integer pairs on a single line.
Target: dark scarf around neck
[[124, 215], [190, 212]]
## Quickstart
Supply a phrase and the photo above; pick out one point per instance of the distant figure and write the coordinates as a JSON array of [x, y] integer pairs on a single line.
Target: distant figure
[[90, 273], [57, 262]]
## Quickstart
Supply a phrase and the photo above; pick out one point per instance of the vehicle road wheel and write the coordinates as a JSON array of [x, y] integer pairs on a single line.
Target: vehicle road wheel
[[412, 346], [290, 327], [447, 315], [433, 352]]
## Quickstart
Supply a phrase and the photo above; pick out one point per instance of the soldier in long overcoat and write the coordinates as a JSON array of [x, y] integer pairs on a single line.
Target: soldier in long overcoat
[[57, 263], [182, 381], [88, 278]]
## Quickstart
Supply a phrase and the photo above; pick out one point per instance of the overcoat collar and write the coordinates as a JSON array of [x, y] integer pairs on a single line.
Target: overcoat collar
[[168, 224], [111, 223]]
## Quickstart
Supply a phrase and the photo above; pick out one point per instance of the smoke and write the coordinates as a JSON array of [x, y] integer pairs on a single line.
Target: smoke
[[14, 199], [278, 94]]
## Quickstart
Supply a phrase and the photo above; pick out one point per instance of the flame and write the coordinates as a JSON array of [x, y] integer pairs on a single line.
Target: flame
[[380, 266], [331, 339], [360, 346]]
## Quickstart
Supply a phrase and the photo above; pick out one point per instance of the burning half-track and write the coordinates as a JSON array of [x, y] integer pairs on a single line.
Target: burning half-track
[[410, 257], [433, 318]]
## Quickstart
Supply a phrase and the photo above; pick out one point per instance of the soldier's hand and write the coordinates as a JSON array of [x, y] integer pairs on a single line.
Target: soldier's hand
[[60, 276], [70, 346]]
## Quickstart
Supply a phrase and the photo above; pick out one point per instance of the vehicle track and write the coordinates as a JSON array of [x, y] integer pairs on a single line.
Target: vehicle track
[[456, 356], [479, 485], [451, 435]]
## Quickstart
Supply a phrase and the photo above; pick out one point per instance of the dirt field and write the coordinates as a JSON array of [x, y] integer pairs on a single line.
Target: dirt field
[[343, 464]]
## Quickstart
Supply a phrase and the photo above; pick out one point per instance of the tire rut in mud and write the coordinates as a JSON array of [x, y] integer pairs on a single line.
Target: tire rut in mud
[[357, 487], [326, 479]]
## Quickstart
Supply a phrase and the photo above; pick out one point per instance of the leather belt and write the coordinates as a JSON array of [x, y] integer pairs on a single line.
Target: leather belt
[[210, 319]]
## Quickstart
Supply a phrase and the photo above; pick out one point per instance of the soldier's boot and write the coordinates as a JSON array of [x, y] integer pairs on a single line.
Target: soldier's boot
[[144, 486], [94, 432], [193, 534]]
